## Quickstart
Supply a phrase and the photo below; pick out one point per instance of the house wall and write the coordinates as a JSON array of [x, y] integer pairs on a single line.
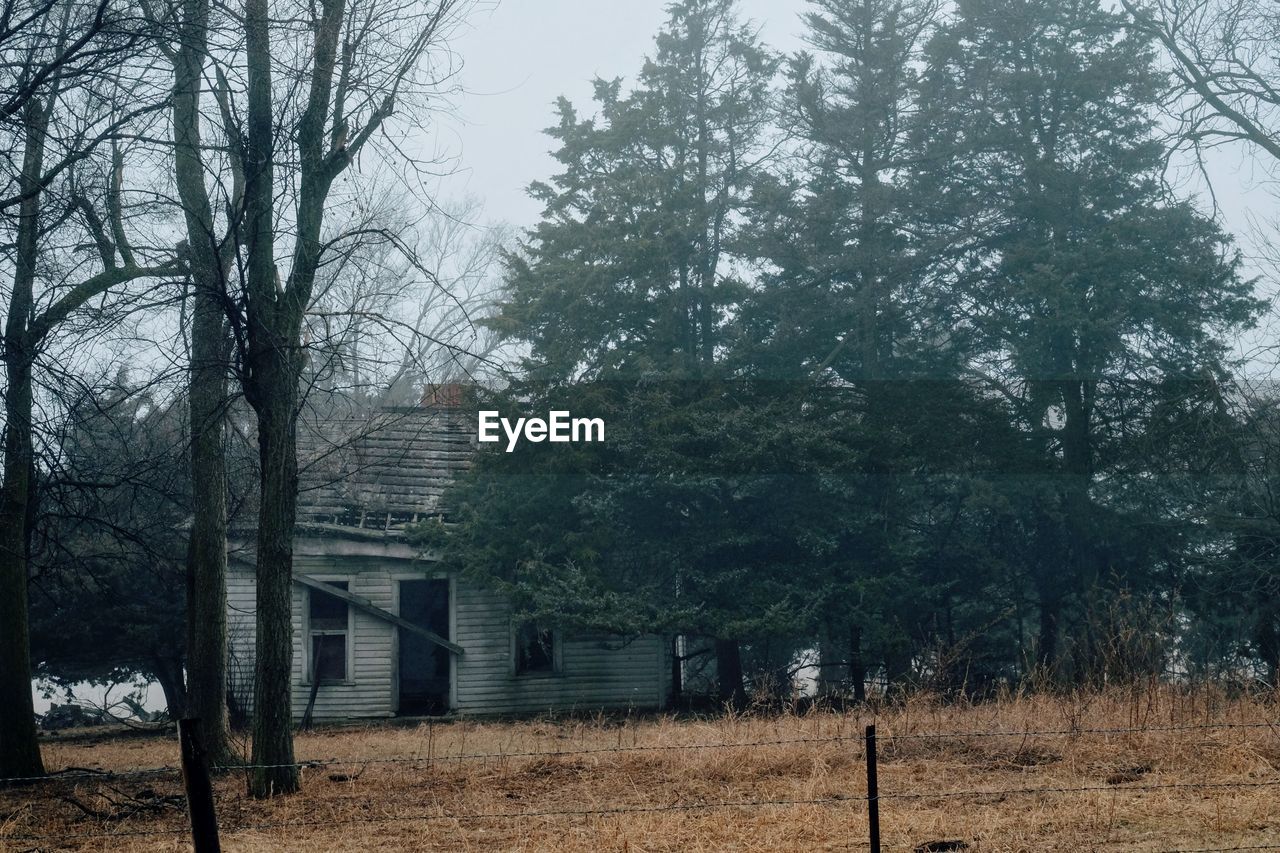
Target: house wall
[[597, 671], [370, 687]]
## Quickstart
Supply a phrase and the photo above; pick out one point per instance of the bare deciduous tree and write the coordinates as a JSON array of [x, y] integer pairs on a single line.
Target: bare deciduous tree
[[1223, 58], [210, 254], [363, 60], [66, 98]]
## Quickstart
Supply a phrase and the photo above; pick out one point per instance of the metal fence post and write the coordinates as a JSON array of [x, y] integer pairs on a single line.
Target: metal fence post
[[195, 780], [873, 792]]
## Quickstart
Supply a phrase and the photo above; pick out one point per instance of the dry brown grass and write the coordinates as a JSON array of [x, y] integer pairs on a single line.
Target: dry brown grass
[[364, 804]]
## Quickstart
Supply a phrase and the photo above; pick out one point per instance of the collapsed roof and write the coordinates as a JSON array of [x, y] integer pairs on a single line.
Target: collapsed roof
[[380, 472]]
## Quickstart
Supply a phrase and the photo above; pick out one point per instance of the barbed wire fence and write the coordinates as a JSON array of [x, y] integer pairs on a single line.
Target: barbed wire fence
[[204, 828]]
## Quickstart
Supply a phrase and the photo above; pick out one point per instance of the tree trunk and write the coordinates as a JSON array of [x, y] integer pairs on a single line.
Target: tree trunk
[[274, 400], [271, 388], [19, 746], [207, 398], [857, 668], [729, 673], [897, 668], [168, 674], [830, 660], [207, 549], [1047, 642], [677, 672], [1081, 556]]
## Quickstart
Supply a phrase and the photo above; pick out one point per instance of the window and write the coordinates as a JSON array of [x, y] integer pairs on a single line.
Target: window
[[327, 616], [534, 649]]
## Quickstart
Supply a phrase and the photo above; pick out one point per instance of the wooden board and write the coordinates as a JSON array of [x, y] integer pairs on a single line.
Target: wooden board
[[374, 610]]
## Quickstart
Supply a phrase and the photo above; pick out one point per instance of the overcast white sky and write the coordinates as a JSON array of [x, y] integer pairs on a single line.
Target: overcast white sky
[[520, 55]]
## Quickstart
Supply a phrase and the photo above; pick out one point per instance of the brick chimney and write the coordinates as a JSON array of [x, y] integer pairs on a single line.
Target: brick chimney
[[444, 395]]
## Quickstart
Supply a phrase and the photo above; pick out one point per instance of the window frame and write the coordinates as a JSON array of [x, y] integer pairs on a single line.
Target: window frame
[[347, 633], [557, 650]]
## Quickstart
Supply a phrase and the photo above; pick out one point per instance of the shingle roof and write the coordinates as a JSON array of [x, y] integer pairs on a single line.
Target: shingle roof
[[382, 471]]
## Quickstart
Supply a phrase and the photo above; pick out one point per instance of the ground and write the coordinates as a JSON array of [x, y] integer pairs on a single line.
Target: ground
[[1202, 771]]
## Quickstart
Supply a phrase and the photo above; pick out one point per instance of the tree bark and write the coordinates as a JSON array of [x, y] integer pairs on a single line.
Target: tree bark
[[271, 388], [272, 714], [1047, 641], [857, 667], [729, 673], [168, 674], [19, 746], [1077, 452], [830, 660], [677, 673], [207, 549], [207, 399], [1269, 652]]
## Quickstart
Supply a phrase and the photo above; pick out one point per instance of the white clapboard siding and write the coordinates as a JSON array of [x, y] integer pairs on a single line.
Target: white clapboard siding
[[241, 612], [370, 687], [597, 671]]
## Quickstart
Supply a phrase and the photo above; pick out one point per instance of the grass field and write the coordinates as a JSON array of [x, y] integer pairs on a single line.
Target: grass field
[[662, 783]]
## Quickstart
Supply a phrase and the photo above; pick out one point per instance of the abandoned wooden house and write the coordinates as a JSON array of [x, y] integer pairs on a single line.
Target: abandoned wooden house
[[380, 630]]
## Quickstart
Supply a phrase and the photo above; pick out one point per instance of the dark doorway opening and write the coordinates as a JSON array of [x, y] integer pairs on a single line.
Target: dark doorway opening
[[425, 667]]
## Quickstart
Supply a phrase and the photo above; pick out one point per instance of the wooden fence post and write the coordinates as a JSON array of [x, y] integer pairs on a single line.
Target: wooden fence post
[[195, 779], [873, 792]]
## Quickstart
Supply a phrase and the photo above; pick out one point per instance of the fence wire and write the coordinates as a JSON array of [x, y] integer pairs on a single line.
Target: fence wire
[[1118, 788], [1074, 732], [323, 763], [462, 817], [77, 775], [1223, 849], [882, 736]]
